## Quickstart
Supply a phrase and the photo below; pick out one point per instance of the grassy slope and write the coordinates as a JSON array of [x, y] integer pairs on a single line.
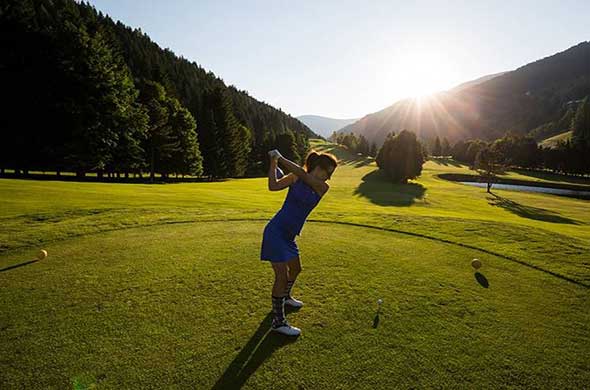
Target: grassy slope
[[143, 305], [552, 142]]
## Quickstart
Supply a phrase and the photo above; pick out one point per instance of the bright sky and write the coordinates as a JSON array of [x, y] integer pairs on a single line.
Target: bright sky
[[345, 59]]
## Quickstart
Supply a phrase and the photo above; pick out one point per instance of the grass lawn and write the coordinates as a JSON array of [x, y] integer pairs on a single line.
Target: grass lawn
[[161, 286]]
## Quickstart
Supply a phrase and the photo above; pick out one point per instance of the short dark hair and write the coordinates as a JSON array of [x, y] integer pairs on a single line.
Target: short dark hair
[[323, 160]]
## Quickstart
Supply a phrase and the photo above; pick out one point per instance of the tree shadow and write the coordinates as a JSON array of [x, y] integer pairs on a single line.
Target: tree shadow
[[340, 153], [380, 190], [482, 280], [361, 161], [445, 161], [18, 265], [345, 157], [530, 212], [260, 347]]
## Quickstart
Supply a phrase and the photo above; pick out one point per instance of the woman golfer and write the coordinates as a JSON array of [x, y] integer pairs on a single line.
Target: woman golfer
[[306, 188]]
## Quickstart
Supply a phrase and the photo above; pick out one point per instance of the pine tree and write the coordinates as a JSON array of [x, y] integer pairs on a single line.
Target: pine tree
[[160, 142], [129, 155], [401, 157], [227, 141], [106, 122], [581, 125], [287, 145], [131, 122], [351, 142], [436, 148], [244, 152], [373, 150], [186, 159], [302, 146], [228, 132], [445, 147], [214, 163], [363, 145]]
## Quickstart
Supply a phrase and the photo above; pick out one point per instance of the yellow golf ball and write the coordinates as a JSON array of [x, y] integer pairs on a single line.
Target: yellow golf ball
[[476, 263], [42, 254]]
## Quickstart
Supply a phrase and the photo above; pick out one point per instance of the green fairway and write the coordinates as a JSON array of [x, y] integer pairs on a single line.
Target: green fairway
[[161, 286]]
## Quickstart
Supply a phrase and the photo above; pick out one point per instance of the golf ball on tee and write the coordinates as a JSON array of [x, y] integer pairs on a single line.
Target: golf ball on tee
[[42, 254], [379, 301]]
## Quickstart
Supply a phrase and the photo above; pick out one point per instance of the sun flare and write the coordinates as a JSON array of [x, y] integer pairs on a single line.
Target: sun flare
[[422, 73]]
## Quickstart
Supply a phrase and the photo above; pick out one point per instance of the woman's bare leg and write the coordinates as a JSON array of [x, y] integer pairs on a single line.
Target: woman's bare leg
[[294, 266], [280, 284]]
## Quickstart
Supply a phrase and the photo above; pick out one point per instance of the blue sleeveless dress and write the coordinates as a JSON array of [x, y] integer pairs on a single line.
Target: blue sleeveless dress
[[278, 240]]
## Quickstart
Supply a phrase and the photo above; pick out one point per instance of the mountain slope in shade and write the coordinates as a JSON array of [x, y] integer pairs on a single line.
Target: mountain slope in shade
[[519, 101], [479, 80], [324, 126]]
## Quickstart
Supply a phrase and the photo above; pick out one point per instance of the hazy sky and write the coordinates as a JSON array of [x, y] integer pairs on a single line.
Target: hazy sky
[[346, 59]]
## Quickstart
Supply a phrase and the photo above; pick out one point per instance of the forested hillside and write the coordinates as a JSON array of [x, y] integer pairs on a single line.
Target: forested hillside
[[84, 93]]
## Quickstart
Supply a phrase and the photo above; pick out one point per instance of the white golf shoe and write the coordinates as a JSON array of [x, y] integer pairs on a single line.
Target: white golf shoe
[[287, 330], [290, 301]]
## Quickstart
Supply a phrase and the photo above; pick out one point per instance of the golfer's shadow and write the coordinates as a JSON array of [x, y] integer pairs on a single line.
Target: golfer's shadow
[[260, 347]]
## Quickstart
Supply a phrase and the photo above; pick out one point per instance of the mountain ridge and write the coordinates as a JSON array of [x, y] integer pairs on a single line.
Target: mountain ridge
[[324, 125], [518, 101]]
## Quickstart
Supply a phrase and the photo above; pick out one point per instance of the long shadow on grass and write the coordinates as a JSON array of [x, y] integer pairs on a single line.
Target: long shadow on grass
[[482, 280], [528, 211], [361, 161], [445, 161], [260, 347], [18, 265], [380, 190]]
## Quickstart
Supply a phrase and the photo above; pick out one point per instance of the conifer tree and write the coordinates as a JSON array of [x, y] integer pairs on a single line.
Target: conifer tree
[[581, 125], [401, 157], [445, 147], [160, 142], [287, 145], [436, 148], [186, 159], [373, 150]]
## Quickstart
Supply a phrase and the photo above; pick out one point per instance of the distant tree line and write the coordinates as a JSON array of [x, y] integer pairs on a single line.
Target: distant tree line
[[512, 150], [86, 94], [436, 148], [569, 157], [355, 144]]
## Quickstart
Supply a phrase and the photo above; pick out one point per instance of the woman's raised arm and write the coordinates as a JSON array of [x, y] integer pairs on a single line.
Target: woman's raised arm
[[275, 184], [319, 186]]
